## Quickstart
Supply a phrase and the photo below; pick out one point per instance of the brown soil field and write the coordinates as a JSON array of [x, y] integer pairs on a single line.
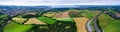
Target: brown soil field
[[62, 15], [34, 21], [81, 23], [65, 15], [57, 15], [118, 15]]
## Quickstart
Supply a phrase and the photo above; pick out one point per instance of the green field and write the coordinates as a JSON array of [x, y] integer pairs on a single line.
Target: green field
[[59, 24], [14, 27], [89, 14], [114, 26], [3, 16], [47, 20], [108, 24], [104, 19], [65, 19], [19, 20]]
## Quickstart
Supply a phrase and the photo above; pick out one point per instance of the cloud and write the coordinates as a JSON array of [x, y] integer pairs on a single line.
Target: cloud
[[59, 2]]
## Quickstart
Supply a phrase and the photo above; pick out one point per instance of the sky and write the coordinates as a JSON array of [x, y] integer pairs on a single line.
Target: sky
[[58, 2]]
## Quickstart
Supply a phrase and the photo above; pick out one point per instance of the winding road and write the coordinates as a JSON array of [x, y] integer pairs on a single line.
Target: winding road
[[88, 26], [96, 25], [80, 23]]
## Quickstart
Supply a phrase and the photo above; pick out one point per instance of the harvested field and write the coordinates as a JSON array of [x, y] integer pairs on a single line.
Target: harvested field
[[50, 14], [57, 15], [65, 15], [19, 20], [34, 21], [62, 15], [118, 15], [81, 23]]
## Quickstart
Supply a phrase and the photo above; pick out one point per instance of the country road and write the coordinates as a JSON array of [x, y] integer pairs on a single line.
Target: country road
[[96, 25], [88, 26]]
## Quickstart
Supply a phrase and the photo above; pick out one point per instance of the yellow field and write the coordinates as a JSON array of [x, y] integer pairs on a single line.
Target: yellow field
[[34, 21], [80, 23], [19, 20], [50, 14]]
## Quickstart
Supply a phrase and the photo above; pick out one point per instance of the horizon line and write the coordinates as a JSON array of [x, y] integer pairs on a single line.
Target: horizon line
[[58, 5]]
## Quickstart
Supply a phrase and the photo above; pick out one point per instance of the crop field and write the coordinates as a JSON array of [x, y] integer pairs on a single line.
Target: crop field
[[14, 27], [65, 19], [34, 21], [49, 14], [59, 18], [19, 20], [89, 14], [60, 26], [47, 20], [80, 24]]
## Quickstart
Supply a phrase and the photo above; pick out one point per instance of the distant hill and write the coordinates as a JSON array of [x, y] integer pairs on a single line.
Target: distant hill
[[20, 9]]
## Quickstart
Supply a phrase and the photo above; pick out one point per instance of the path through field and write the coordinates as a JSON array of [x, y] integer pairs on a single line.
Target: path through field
[[81, 23]]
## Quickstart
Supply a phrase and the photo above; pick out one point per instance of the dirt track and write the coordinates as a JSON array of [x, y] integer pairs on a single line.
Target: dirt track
[[81, 23]]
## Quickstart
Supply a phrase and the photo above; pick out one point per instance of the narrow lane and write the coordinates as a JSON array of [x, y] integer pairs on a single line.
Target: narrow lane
[[96, 25], [88, 26]]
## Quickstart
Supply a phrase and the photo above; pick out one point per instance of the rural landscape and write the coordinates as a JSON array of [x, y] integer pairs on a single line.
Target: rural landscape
[[76, 18]]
